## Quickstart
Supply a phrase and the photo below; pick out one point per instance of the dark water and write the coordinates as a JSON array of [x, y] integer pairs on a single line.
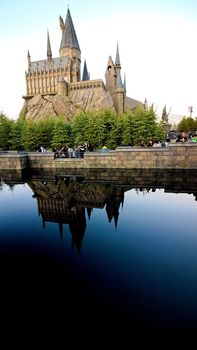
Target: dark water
[[117, 250]]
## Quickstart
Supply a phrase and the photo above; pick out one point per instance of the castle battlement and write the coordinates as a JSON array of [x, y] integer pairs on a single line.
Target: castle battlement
[[91, 84]]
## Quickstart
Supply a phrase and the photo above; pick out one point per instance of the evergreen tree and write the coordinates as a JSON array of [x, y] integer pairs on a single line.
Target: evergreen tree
[[5, 127], [104, 125], [187, 125], [80, 127], [62, 134], [31, 139], [128, 130], [16, 135], [45, 129], [140, 125]]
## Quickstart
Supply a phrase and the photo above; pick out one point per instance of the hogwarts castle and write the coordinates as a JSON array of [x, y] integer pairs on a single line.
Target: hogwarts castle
[[54, 85]]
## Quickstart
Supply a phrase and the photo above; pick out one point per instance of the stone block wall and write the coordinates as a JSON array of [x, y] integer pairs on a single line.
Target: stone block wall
[[13, 160], [126, 158]]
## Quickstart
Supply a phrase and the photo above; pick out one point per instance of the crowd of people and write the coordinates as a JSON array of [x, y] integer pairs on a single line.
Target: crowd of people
[[79, 150], [70, 152], [177, 138], [155, 143]]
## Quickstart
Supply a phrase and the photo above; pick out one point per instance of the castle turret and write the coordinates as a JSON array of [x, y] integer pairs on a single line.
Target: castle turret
[[110, 76], [62, 87], [85, 75], [49, 52], [125, 84], [62, 26], [117, 62], [69, 47], [114, 83], [120, 95], [28, 58]]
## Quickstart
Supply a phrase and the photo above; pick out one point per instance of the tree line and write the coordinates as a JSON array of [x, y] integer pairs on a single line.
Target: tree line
[[188, 125], [98, 128]]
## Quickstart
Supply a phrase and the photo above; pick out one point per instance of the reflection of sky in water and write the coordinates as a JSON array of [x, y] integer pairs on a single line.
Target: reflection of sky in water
[[146, 266]]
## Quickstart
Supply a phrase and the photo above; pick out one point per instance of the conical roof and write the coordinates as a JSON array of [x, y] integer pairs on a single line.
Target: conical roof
[[117, 62], [85, 75], [69, 37], [49, 51], [119, 81]]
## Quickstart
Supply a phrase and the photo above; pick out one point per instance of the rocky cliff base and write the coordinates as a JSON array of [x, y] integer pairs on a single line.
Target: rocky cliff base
[[78, 100]]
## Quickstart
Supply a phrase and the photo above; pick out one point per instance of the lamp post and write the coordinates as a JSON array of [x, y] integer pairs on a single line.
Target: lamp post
[[190, 109]]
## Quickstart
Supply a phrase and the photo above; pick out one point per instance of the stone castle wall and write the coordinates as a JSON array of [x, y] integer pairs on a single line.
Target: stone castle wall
[[172, 157]]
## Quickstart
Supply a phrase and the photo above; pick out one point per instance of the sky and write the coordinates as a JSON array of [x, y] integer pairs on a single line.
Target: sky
[[157, 45]]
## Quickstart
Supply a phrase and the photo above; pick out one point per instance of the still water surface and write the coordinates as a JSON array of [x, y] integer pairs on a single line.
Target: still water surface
[[102, 250]]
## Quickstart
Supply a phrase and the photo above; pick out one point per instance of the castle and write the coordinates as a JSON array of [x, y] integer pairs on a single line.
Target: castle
[[54, 85]]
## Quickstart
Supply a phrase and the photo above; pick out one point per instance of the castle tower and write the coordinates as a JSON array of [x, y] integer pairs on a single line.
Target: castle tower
[[110, 76], [125, 84], [69, 48], [119, 100], [117, 62], [28, 58], [85, 75], [49, 52], [114, 83], [62, 87], [120, 90]]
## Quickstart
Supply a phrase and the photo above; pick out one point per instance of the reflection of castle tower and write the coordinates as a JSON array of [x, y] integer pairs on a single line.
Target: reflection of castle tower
[[113, 204], [77, 229], [66, 202], [62, 75]]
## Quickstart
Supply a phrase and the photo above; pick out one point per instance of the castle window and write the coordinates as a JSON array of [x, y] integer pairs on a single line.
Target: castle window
[[109, 68]]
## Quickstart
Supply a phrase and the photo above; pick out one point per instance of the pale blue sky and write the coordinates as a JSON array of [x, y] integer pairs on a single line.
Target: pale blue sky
[[157, 41]]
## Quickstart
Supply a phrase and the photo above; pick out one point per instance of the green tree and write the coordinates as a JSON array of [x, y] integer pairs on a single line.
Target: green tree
[[141, 125], [16, 135], [79, 125], [62, 134], [45, 130], [187, 125], [31, 139], [128, 130], [5, 127], [104, 126], [116, 134]]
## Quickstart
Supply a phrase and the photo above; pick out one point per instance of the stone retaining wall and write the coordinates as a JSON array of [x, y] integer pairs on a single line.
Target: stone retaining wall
[[13, 160], [174, 156]]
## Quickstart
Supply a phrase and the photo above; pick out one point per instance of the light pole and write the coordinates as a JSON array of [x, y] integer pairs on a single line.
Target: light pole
[[190, 109]]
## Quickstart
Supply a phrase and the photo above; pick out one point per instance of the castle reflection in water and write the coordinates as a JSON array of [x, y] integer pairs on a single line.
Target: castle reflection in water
[[70, 199], [67, 200]]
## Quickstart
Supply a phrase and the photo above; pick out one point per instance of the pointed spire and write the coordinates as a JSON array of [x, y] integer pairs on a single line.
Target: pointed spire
[[28, 57], [85, 75], [116, 215], [165, 115], [49, 52], [89, 212], [117, 62], [60, 230], [62, 26], [125, 83], [69, 37], [43, 222], [146, 104], [119, 81]]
